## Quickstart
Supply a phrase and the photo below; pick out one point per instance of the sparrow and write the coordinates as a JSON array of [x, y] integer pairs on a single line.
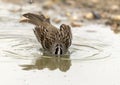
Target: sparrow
[[53, 40]]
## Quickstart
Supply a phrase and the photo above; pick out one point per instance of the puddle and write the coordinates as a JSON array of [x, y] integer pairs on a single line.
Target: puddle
[[22, 44], [23, 40]]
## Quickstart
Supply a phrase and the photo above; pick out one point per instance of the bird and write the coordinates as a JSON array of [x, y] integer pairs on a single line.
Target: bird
[[55, 41]]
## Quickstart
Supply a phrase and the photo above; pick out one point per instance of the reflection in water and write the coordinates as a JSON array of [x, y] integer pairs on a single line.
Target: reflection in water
[[62, 63], [25, 47], [22, 44]]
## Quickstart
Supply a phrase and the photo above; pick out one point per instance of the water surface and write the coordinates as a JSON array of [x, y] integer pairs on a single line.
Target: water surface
[[93, 60]]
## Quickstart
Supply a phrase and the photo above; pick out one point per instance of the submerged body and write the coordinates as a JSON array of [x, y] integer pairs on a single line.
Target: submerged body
[[54, 41]]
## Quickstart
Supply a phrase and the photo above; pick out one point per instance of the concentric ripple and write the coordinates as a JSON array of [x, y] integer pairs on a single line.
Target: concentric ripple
[[22, 44]]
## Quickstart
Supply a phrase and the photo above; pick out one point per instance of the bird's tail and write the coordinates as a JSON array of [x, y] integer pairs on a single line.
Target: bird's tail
[[35, 19]]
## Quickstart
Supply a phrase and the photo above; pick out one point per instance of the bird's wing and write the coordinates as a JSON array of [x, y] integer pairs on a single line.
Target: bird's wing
[[46, 38], [65, 35]]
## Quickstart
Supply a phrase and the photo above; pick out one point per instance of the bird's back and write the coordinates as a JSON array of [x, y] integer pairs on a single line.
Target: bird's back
[[48, 35]]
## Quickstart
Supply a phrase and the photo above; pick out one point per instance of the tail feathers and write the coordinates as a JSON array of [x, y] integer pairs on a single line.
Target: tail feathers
[[35, 19]]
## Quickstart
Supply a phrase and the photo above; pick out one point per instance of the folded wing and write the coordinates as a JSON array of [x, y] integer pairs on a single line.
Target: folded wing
[[65, 35]]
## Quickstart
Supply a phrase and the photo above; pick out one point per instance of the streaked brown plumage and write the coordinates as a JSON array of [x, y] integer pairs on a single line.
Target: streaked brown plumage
[[53, 40]]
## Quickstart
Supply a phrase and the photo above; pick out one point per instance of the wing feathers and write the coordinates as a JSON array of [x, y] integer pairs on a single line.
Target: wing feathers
[[65, 35]]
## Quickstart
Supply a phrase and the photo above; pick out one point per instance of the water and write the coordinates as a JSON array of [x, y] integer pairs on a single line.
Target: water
[[94, 58]]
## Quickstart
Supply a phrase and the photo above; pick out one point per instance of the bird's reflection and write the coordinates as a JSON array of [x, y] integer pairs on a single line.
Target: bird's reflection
[[62, 63]]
